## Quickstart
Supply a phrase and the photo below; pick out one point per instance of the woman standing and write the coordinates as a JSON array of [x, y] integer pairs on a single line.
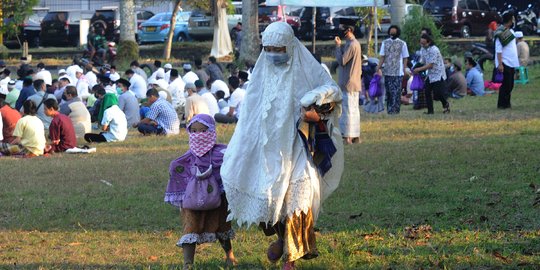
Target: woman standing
[[436, 75], [222, 45], [269, 173]]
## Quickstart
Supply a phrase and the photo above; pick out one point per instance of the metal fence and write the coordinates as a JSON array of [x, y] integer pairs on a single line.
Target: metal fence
[[91, 5]]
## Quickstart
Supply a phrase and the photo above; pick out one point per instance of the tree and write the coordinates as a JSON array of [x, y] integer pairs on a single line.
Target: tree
[[250, 28], [397, 12], [128, 50], [170, 35], [12, 14]]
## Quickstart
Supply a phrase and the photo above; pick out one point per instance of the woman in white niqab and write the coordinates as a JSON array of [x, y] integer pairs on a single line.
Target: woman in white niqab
[[268, 174]]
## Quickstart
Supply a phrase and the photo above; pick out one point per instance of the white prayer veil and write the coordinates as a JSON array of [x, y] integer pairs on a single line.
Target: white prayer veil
[[267, 173]]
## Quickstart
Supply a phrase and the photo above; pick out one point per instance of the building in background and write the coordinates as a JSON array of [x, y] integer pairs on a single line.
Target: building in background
[[155, 6]]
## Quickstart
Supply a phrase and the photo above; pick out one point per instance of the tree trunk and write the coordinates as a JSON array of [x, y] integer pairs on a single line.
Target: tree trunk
[[370, 29], [397, 12], [127, 20], [251, 42], [170, 35]]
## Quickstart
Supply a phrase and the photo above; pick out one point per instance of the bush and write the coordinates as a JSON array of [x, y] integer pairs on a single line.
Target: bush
[[127, 51], [412, 27], [3, 52]]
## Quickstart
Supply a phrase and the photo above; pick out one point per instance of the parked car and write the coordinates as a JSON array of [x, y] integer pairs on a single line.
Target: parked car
[[201, 23], [462, 17], [28, 31], [62, 27], [327, 21], [386, 20], [270, 14], [108, 18], [157, 28]]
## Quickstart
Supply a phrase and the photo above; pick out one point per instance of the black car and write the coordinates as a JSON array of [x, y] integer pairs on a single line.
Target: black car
[[108, 19], [28, 31], [327, 21], [62, 27]]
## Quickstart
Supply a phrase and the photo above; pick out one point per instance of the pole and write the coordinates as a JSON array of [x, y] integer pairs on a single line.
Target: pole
[[1, 23], [376, 24], [314, 29]]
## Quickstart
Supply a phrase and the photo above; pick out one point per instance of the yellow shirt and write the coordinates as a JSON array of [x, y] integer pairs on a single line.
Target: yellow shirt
[[32, 133]]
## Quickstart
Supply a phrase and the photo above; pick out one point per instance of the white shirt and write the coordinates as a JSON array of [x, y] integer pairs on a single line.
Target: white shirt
[[167, 76], [4, 82], [138, 86], [82, 88], [159, 73], [176, 88], [1, 128], [70, 71], [44, 75], [211, 101], [114, 76], [236, 100], [220, 85], [509, 53], [110, 89], [116, 120], [91, 78], [190, 77]]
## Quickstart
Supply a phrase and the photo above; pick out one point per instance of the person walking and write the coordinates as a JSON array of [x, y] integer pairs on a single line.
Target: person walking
[[393, 62], [349, 58], [436, 76], [506, 60]]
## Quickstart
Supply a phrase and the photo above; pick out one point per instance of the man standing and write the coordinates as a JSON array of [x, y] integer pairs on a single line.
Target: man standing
[[394, 55], [506, 60], [522, 49], [349, 58]]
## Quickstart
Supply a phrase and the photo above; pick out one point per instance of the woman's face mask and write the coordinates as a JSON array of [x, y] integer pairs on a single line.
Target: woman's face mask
[[277, 58]]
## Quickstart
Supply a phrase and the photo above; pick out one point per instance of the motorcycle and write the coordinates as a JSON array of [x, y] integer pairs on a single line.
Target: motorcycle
[[526, 21], [97, 59], [481, 53]]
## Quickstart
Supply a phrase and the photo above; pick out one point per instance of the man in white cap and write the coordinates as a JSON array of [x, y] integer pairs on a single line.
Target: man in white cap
[[4, 78], [162, 87], [13, 95], [167, 67], [82, 84], [522, 49], [189, 76]]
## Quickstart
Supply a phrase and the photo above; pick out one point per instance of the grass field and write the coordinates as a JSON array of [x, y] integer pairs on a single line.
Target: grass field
[[455, 191]]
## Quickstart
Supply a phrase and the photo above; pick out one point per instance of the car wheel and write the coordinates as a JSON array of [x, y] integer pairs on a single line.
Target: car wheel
[[465, 31], [181, 37]]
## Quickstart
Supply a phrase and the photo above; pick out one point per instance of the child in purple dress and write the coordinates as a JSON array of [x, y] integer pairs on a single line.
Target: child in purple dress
[[204, 155]]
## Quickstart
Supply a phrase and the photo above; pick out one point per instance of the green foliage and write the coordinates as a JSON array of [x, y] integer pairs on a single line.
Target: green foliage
[[14, 12], [127, 51], [412, 27], [3, 52]]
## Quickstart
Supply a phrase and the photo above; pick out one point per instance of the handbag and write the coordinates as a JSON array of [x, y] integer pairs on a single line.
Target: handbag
[[417, 83], [202, 192], [498, 78], [375, 88]]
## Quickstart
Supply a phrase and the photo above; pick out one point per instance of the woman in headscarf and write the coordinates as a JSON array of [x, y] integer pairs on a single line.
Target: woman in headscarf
[[113, 122], [286, 155]]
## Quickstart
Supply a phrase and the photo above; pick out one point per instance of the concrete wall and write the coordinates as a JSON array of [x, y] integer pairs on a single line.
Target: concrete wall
[[157, 6]]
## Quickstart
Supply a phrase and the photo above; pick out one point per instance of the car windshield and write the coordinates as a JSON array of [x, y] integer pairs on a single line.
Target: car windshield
[[268, 11], [438, 4], [56, 16], [161, 17], [104, 14]]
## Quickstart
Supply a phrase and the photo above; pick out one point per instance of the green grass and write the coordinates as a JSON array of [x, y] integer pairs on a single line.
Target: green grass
[[450, 191]]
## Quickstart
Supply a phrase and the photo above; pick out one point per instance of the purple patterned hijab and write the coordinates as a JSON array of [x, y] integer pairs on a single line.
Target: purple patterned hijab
[[184, 169]]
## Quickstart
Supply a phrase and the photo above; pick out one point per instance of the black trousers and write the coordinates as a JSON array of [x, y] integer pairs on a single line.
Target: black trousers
[[437, 90], [92, 137], [505, 92]]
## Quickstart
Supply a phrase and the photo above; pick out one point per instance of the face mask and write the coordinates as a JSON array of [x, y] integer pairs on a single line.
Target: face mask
[[344, 33], [201, 142], [118, 90], [277, 58], [393, 36]]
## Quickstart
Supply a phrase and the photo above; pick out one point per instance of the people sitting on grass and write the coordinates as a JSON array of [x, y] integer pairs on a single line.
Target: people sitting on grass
[[9, 117], [26, 91], [210, 99], [235, 101], [456, 82], [38, 98], [189, 76], [195, 104], [127, 102], [475, 80], [113, 122], [13, 94], [61, 130], [77, 112], [29, 134], [176, 88], [137, 83], [99, 93], [161, 118]]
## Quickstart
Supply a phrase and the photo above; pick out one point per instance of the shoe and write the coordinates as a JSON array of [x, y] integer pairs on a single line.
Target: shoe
[[447, 108]]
